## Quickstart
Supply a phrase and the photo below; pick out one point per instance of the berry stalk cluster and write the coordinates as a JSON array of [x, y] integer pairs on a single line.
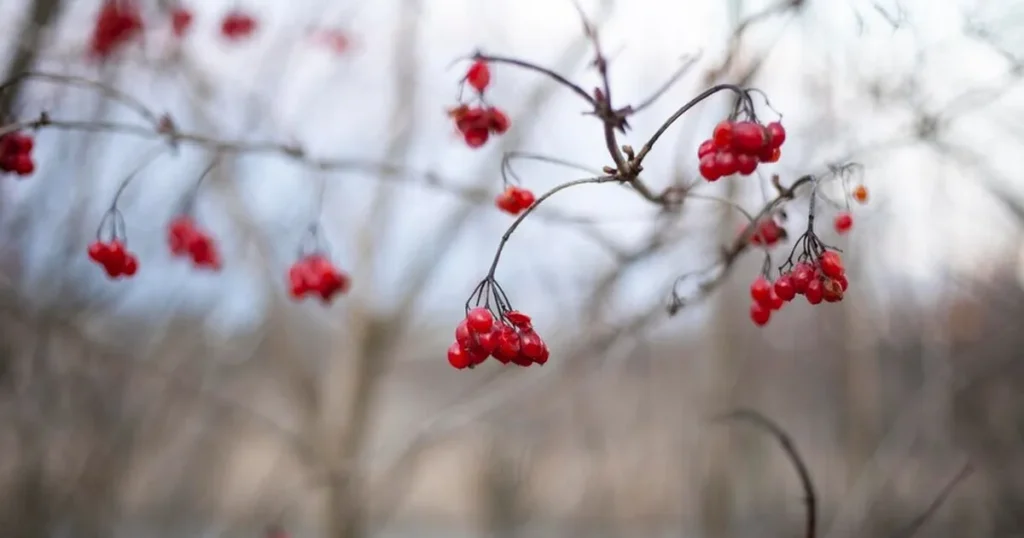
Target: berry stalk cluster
[[494, 329], [16, 154]]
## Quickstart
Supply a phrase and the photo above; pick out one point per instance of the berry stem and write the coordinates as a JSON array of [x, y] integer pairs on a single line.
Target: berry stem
[[649, 145], [522, 216], [537, 69], [149, 158]]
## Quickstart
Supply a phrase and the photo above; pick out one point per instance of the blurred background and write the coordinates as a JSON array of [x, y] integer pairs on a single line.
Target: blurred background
[[184, 403]]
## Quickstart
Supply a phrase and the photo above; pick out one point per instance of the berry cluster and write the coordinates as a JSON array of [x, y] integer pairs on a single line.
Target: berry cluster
[[118, 22], [16, 154], [114, 257], [237, 25], [509, 339], [822, 278], [514, 200], [186, 239], [737, 147], [478, 122], [315, 275]]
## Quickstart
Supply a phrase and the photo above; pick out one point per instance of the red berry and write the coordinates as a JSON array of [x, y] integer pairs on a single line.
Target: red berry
[[508, 202], [508, 345], [709, 167], [761, 290], [479, 320], [831, 264], [726, 163], [746, 163], [237, 25], [519, 319], [706, 147], [457, 357], [131, 265], [831, 291], [23, 165], [774, 301], [814, 291], [498, 121], [784, 288], [544, 354], [803, 275], [479, 76], [476, 137], [531, 345], [722, 135], [770, 155], [748, 137], [760, 314], [181, 20], [487, 342], [843, 222], [22, 143], [524, 197], [843, 282], [776, 134]]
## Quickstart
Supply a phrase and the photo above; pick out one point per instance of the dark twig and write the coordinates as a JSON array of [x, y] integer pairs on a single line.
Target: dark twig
[[780, 435], [918, 522]]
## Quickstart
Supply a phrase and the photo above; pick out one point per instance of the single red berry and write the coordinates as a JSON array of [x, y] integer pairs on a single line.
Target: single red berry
[[131, 265], [544, 354], [784, 288], [531, 345], [519, 320], [770, 155], [831, 291], [508, 345], [508, 202], [706, 147], [709, 167], [487, 342], [23, 165], [760, 314], [498, 121], [722, 135], [803, 274], [860, 193], [181, 21], [237, 24], [843, 222], [831, 264], [457, 357], [774, 301], [476, 137], [480, 320], [748, 137], [726, 163], [746, 163], [843, 282], [814, 292], [22, 143], [776, 134], [479, 76], [524, 197], [761, 290]]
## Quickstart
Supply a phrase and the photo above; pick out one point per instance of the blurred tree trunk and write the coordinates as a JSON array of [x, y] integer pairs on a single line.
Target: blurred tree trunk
[[28, 44]]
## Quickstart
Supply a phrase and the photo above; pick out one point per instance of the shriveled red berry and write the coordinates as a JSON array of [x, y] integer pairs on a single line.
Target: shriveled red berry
[[831, 291], [760, 314], [843, 222], [479, 75], [761, 290], [498, 121], [479, 320], [722, 135], [519, 319]]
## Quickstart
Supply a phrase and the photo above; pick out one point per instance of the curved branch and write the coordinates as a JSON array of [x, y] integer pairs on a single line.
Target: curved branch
[[780, 435], [686, 108], [538, 69]]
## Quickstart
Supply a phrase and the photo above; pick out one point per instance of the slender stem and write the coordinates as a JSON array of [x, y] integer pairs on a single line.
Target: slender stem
[[157, 151], [538, 69], [522, 216], [683, 110]]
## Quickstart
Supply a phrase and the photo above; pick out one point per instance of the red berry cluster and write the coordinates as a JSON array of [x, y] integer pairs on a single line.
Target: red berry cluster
[[186, 239], [510, 340], [315, 275], [181, 21], [477, 123], [237, 25], [114, 257], [16, 154], [737, 147], [118, 22], [514, 200], [767, 233], [823, 279]]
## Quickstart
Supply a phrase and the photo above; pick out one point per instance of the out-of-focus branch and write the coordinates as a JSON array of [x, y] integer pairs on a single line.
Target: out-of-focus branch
[[29, 43]]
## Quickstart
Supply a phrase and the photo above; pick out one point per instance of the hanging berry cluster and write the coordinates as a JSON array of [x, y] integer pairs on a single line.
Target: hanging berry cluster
[[817, 273], [16, 154], [187, 240], [768, 232], [112, 254], [514, 199], [237, 25], [314, 275], [118, 23], [505, 334], [737, 147], [478, 121]]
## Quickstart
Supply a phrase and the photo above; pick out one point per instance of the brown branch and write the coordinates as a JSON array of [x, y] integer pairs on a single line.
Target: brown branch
[[918, 522], [780, 435]]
